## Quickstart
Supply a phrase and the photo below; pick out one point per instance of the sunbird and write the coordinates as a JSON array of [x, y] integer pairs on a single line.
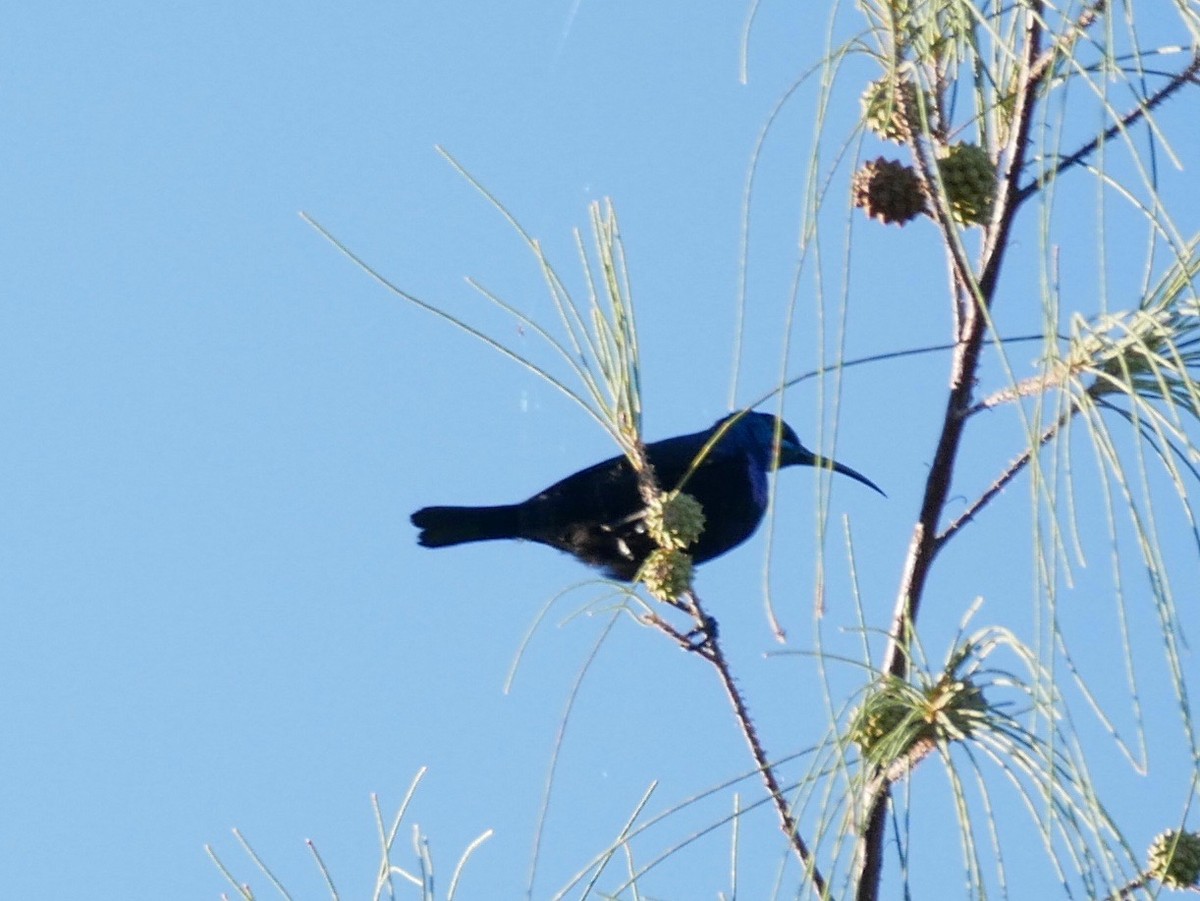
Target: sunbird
[[598, 514]]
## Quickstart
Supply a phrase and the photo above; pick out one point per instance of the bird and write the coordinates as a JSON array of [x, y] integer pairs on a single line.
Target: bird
[[598, 514]]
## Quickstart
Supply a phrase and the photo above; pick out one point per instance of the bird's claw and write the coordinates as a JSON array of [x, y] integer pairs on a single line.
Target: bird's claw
[[699, 639], [702, 636]]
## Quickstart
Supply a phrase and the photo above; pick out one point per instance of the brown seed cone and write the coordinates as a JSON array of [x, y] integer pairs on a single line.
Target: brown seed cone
[[888, 191]]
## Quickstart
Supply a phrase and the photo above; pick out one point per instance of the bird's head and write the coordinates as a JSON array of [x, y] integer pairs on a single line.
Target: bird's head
[[758, 433]]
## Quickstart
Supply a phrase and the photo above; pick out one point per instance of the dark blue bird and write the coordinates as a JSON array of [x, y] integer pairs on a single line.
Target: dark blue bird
[[597, 514]]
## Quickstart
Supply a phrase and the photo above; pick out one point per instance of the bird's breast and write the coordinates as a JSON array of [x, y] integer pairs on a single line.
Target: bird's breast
[[757, 477]]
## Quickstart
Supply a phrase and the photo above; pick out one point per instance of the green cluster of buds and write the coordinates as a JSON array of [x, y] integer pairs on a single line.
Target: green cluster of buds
[[970, 181], [674, 519], [954, 707], [667, 573], [932, 31], [882, 110], [888, 190], [879, 716], [1174, 859], [898, 719]]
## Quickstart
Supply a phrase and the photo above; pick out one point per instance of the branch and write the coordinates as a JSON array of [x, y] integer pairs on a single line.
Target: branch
[[710, 650], [1063, 47], [1187, 76], [1010, 472], [924, 546], [1036, 384]]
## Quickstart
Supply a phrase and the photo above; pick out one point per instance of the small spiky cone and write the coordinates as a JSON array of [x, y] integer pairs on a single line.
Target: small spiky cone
[[970, 181], [667, 573], [674, 520], [1174, 859], [881, 107], [888, 191]]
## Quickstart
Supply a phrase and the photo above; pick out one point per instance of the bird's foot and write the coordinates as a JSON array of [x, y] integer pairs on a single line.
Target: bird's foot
[[698, 639], [702, 637]]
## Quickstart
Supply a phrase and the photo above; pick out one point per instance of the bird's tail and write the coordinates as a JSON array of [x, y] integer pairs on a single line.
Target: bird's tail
[[442, 526]]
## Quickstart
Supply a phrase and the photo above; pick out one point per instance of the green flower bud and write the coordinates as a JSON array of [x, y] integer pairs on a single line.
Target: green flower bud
[[675, 520], [667, 573]]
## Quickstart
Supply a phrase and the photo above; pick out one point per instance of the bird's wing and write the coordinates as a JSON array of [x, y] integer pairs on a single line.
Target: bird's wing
[[607, 494], [602, 494]]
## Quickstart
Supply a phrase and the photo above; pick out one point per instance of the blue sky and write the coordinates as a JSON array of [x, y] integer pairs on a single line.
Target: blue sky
[[215, 612]]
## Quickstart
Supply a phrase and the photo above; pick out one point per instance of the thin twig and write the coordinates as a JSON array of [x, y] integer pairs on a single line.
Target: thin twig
[[325, 874], [680, 638], [1010, 472], [1062, 47], [1187, 76], [1036, 384], [1132, 889], [711, 651]]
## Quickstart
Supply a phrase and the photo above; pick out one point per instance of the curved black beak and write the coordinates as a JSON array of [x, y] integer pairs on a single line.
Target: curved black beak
[[802, 456]]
